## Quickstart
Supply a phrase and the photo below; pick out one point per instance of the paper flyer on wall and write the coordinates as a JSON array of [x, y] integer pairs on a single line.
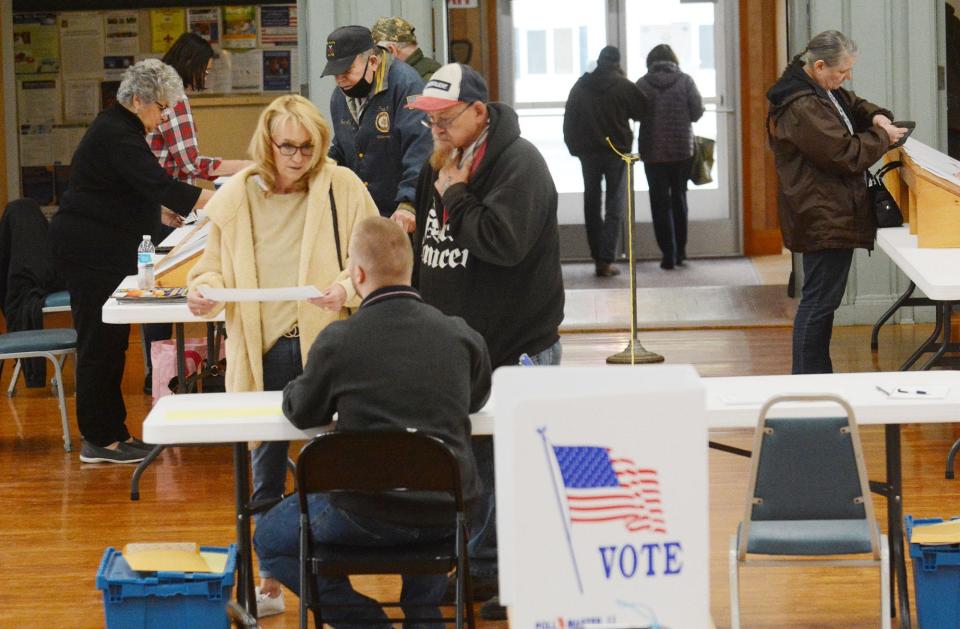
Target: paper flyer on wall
[[38, 99], [205, 23], [116, 66], [65, 139], [277, 70], [121, 33], [81, 44], [240, 27], [36, 145], [81, 100], [278, 25], [245, 70], [219, 79], [36, 43], [166, 25]]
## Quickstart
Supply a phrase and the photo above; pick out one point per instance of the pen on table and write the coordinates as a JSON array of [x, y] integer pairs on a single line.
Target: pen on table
[[882, 390], [915, 391], [525, 360]]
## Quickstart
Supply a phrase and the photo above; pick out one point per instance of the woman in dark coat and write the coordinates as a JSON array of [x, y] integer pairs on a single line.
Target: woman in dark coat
[[666, 148], [824, 138], [114, 196]]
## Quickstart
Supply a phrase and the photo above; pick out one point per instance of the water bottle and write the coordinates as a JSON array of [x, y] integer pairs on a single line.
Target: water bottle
[[145, 264]]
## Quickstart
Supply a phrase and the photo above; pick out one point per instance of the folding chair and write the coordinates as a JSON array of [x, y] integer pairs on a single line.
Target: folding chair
[[808, 496], [378, 462], [53, 302], [53, 344]]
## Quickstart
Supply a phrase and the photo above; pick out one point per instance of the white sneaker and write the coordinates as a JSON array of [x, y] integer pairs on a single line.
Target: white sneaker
[[268, 605]]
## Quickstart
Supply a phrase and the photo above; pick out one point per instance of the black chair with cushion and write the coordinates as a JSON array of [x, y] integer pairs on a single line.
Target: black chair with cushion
[[379, 462]]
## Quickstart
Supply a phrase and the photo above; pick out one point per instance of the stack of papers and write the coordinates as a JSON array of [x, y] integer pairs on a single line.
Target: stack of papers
[[937, 534], [172, 557]]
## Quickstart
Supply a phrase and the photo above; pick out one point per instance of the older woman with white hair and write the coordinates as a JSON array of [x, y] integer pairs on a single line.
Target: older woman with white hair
[[114, 196], [824, 138]]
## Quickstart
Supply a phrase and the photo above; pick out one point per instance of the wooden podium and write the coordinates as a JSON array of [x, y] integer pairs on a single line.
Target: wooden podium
[[930, 202]]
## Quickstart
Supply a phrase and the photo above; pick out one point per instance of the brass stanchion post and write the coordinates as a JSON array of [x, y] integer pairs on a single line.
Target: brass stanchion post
[[634, 353]]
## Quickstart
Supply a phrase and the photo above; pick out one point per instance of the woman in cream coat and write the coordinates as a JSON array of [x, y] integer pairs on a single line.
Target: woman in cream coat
[[273, 226]]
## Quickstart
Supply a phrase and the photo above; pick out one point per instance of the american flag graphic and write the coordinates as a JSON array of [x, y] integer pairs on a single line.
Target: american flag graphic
[[279, 26], [602, 487]]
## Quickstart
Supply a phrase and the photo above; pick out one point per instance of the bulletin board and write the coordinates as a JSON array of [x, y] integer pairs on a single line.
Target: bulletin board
[[69, 64]]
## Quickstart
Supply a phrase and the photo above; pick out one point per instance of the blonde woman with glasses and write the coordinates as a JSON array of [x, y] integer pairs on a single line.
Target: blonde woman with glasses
[[285, 221]]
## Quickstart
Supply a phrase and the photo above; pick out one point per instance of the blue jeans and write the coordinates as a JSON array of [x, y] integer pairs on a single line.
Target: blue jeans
[[483, 543], [281, 364], [824, 282], [603, 229], [277, 543]]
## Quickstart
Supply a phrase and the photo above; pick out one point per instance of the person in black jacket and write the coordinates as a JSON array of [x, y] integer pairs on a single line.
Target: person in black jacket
[[27, 275], [114, 196], [600, 106], [486, 245], [397, 364]]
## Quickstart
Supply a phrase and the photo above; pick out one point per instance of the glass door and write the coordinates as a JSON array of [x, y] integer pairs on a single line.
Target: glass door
[[698, 34], [552, 47]]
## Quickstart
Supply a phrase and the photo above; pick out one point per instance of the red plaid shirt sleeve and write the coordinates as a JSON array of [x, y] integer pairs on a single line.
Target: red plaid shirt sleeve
[[175, 145]]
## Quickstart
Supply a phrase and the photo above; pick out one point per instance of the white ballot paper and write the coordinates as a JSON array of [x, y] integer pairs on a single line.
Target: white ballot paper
[[289, 293]]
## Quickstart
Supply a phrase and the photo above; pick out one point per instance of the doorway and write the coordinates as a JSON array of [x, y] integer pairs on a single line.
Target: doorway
[[545, 50]]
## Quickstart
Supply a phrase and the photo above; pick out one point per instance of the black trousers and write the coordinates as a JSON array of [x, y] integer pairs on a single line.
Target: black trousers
[[668, 205], [603, 228], [101, 354]]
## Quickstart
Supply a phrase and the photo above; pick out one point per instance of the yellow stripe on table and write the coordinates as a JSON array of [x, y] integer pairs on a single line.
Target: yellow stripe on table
[[224, 413]]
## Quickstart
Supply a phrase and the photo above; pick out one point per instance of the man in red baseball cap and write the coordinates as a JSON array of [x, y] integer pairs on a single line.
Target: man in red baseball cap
[[486, 246]]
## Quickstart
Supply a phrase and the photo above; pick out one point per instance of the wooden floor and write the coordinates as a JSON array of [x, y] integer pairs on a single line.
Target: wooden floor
[[58, 515]]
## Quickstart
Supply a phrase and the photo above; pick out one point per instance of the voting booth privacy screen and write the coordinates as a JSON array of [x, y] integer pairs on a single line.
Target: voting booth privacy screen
[[602, 506]]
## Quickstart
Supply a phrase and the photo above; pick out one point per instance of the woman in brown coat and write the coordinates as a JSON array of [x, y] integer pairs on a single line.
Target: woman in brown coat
[[824, 139]]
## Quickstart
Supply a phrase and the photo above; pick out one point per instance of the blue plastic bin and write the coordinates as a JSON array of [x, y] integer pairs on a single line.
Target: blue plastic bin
[[159, 600], [936, 579]]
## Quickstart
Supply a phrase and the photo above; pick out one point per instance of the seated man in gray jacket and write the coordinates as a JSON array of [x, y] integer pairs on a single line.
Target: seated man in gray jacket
[[395, 364]]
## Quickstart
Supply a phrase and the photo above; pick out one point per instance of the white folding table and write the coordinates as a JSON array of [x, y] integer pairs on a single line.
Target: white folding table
[[731, 403], [935, 272]]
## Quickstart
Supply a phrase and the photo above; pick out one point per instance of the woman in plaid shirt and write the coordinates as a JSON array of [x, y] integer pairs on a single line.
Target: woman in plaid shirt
[[174, 142]]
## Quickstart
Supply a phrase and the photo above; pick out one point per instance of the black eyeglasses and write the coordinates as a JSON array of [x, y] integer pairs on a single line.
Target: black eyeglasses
[[443, 123], [290, 150]]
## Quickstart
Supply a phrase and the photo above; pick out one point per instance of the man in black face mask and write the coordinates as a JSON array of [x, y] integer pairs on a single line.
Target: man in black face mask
[[375, 135]]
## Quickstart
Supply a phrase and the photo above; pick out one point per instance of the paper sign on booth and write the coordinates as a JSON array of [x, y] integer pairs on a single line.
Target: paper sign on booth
[[602, 503]]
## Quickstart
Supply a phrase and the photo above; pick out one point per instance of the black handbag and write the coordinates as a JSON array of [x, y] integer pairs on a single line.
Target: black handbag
[[885, 208]]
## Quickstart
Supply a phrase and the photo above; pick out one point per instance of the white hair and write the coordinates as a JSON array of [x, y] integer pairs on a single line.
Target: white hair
[[830, 47], [152, 81]]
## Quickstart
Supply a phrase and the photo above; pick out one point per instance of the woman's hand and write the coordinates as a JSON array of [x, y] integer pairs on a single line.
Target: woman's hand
[[881, 121], [894, 133], [198, 305], [170, 218], [332, 299]]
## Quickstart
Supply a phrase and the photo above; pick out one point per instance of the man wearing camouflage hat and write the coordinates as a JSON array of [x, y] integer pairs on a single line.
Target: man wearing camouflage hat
[[396, 35], [374, 134]]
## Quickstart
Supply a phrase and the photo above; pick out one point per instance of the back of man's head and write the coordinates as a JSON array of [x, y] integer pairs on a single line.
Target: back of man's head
[[382, 250]]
